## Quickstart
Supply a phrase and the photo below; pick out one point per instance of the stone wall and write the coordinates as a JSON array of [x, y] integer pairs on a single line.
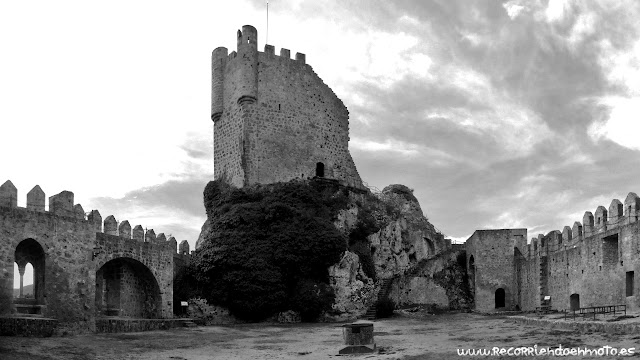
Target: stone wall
[[491, 266], [275, 119], [439, 280], [594, 268], [594, 262], [142, 257], [68, 249]]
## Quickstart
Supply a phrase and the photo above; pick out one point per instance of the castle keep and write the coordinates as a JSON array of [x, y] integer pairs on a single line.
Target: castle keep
[[274, 118]]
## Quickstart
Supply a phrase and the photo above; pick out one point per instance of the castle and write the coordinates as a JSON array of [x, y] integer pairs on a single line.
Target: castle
[[275, 119]]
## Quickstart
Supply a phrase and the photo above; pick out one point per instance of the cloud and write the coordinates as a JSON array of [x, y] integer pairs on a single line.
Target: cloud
[[174, 206], [513, 8], [556, 10], [368, 145], [621, 126]]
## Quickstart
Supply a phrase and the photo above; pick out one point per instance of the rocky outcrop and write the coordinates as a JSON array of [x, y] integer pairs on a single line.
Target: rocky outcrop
[[354, 291], [407, 238], [386, 235], [205, 232]]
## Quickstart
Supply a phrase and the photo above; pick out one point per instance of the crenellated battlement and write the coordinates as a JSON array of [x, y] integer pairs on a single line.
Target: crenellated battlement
[[594, 225], [224, 57], [275, 119], [62, 205]]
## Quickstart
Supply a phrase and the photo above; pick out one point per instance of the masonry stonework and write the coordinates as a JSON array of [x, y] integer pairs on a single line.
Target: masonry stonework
[[491, 266], [81, 273], [593, 263], [275, 119]]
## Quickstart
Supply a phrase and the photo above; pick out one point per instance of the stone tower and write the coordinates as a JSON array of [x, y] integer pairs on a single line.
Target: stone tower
[[275, 119]]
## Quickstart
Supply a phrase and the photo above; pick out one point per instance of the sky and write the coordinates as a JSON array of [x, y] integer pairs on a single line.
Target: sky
[[499, 114]]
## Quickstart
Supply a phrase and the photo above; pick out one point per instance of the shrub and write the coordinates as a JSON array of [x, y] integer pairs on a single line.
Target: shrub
[[269, 247], [312, 298], [359, 244]]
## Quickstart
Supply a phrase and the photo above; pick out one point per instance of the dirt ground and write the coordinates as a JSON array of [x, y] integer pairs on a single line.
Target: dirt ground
[[401, 337]]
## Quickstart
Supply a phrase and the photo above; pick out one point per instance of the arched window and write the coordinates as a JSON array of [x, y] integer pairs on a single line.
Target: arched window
[[320, 169], [23, 281], [30, 263]]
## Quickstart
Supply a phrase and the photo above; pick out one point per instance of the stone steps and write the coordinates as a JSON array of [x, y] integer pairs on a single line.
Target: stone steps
[[385, 288]]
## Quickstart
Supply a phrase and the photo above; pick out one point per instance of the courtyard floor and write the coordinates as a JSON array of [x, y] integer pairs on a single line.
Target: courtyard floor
[[410, 336]]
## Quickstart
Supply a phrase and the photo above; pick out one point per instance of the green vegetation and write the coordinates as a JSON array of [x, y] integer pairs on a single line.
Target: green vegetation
[[270, 248], [358, 242]]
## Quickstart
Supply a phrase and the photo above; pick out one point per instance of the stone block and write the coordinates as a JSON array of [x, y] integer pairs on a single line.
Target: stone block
[[36, 199], [124, 230], [111, 225], [8, 194]]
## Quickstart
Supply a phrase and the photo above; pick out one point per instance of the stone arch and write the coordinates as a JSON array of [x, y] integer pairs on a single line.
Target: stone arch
[[29, 251], [500, 298], [320, 169], [127, 287], [102, 259], [574, 301]]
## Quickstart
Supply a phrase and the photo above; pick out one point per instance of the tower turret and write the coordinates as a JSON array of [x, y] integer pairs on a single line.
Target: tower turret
[[246, 91], [218, 64]]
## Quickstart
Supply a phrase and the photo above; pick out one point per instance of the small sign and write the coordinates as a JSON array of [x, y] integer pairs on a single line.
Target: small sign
[[547, 298], [184, 303]]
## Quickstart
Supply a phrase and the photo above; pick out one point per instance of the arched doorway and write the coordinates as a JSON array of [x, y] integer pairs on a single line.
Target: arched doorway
[[320, 169], [500, 303], [30, 252], [126, 287], [574, 302]]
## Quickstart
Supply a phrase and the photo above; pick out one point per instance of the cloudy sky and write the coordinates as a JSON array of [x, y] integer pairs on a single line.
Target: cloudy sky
[[498, 113]]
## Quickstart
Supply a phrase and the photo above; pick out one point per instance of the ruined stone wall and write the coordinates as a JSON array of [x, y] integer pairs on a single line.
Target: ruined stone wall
[[439, 281], [74, 250], [493, 257], [67, 242], [277, 119], [590, 259], [529, 280]]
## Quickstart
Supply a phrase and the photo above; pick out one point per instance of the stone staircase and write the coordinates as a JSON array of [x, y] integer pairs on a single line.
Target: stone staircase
[[385, 289]]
